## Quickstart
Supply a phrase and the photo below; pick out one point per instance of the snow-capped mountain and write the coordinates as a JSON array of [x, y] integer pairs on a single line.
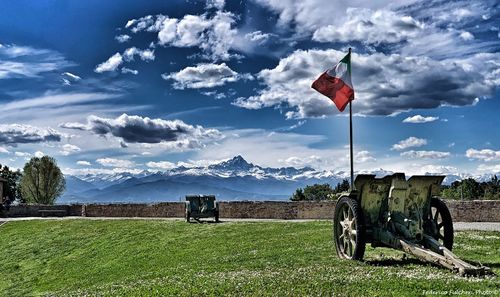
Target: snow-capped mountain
[[233, 179]]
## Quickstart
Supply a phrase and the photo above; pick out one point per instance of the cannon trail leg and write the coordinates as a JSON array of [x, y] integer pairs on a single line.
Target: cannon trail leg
[[440, 255]]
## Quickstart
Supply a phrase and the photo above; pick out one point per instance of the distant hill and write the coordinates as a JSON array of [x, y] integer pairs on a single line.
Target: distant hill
[[233, 179]]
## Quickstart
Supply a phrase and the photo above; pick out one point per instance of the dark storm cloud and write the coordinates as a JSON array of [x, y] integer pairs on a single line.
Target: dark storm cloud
[[14, 134], [136, 129]]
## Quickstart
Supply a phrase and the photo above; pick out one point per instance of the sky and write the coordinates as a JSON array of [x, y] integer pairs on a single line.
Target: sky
[[149, 85]]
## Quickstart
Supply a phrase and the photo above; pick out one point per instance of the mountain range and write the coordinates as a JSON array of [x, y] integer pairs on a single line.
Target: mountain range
[[233, 179]]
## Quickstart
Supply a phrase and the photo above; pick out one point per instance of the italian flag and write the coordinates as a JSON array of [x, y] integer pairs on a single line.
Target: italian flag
[[336, 83]]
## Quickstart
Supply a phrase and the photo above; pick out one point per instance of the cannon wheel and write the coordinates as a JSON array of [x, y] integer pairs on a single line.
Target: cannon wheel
[[348, 229], [441, 218]]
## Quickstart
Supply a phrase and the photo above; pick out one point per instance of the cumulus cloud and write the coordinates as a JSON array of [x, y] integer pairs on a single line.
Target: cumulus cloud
[[484, 155], [213, 35], [112, 162], [4, 150], [204, 76], [68, 149], [83, 163], [409, 142], [122, 38], [145, 55], [364, 157], [418, 119], [39, 154], [169, 134], [14, 134], [128, 55], [370, 27], [165, 165], [110, 64], [425, 154], [390, 84]]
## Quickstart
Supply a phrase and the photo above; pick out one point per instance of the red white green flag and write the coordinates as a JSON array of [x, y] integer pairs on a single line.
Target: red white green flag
[[336, 83]]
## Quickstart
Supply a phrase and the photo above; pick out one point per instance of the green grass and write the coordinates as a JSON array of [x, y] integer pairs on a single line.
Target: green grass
[[164, 258]]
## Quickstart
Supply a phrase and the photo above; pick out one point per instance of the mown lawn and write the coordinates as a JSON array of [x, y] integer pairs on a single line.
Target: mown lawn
[[173, 258]]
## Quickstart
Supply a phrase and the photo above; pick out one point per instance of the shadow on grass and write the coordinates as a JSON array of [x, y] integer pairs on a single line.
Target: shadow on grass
[[394, 262], [194, 221]]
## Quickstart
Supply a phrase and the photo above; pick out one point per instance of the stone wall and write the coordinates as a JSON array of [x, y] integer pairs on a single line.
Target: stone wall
[[474, 210], [461, 211]]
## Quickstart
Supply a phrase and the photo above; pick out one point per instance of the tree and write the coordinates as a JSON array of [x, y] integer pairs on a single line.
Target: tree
[[342, 187], [315, 192], [298, 195], [42, 180], [11, 189]]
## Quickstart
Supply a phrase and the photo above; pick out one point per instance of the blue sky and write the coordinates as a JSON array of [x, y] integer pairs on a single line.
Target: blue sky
[[150, 85]]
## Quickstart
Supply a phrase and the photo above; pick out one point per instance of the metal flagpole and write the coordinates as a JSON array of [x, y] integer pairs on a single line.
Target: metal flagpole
[[350, 137]]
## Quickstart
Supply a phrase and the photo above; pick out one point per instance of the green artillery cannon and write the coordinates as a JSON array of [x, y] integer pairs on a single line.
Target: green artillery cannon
[[401, 214], [201, 206]]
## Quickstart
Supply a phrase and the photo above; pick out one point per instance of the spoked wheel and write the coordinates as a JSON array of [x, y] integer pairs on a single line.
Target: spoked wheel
[[348, 229], [442, 225]]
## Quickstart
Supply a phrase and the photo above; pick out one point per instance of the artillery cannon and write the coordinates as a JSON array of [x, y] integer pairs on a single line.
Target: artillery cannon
[[401, 214], [201, 206]]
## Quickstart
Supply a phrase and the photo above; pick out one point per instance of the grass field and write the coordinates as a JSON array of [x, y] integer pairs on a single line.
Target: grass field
[[173, 258]]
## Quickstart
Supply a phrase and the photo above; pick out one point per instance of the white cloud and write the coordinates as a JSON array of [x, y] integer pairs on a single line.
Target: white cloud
[[145, 55], [485, 154], [110, 64], [165, 165], [213, 35], [495, 168], [112, 162], [257, 36], [218, 4], [23, 61], [131, 71], [390, 83], [370, 27], [22, 154], [54, 101], [409, 142], [363, 157], [4, 150], [309, 15], [466, 36], [417, 119], [83, 163], [68, 149], [425, 154], [39, 154], [122, 38], [204, 76]]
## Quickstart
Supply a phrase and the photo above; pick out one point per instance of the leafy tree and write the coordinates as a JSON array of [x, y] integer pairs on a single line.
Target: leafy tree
[[342, 187], [471, 189], [298, 195], [315, 192], [11, 190], [42, 180]]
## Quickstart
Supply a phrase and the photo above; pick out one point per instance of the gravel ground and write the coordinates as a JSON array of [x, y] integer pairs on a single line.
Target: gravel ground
[[483, 226]]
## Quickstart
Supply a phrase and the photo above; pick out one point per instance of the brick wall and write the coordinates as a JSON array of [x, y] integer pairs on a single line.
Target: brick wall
[[461, 211]]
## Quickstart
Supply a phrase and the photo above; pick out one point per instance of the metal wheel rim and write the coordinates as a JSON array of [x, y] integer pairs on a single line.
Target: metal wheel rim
[[437, 219], [346, 232]]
